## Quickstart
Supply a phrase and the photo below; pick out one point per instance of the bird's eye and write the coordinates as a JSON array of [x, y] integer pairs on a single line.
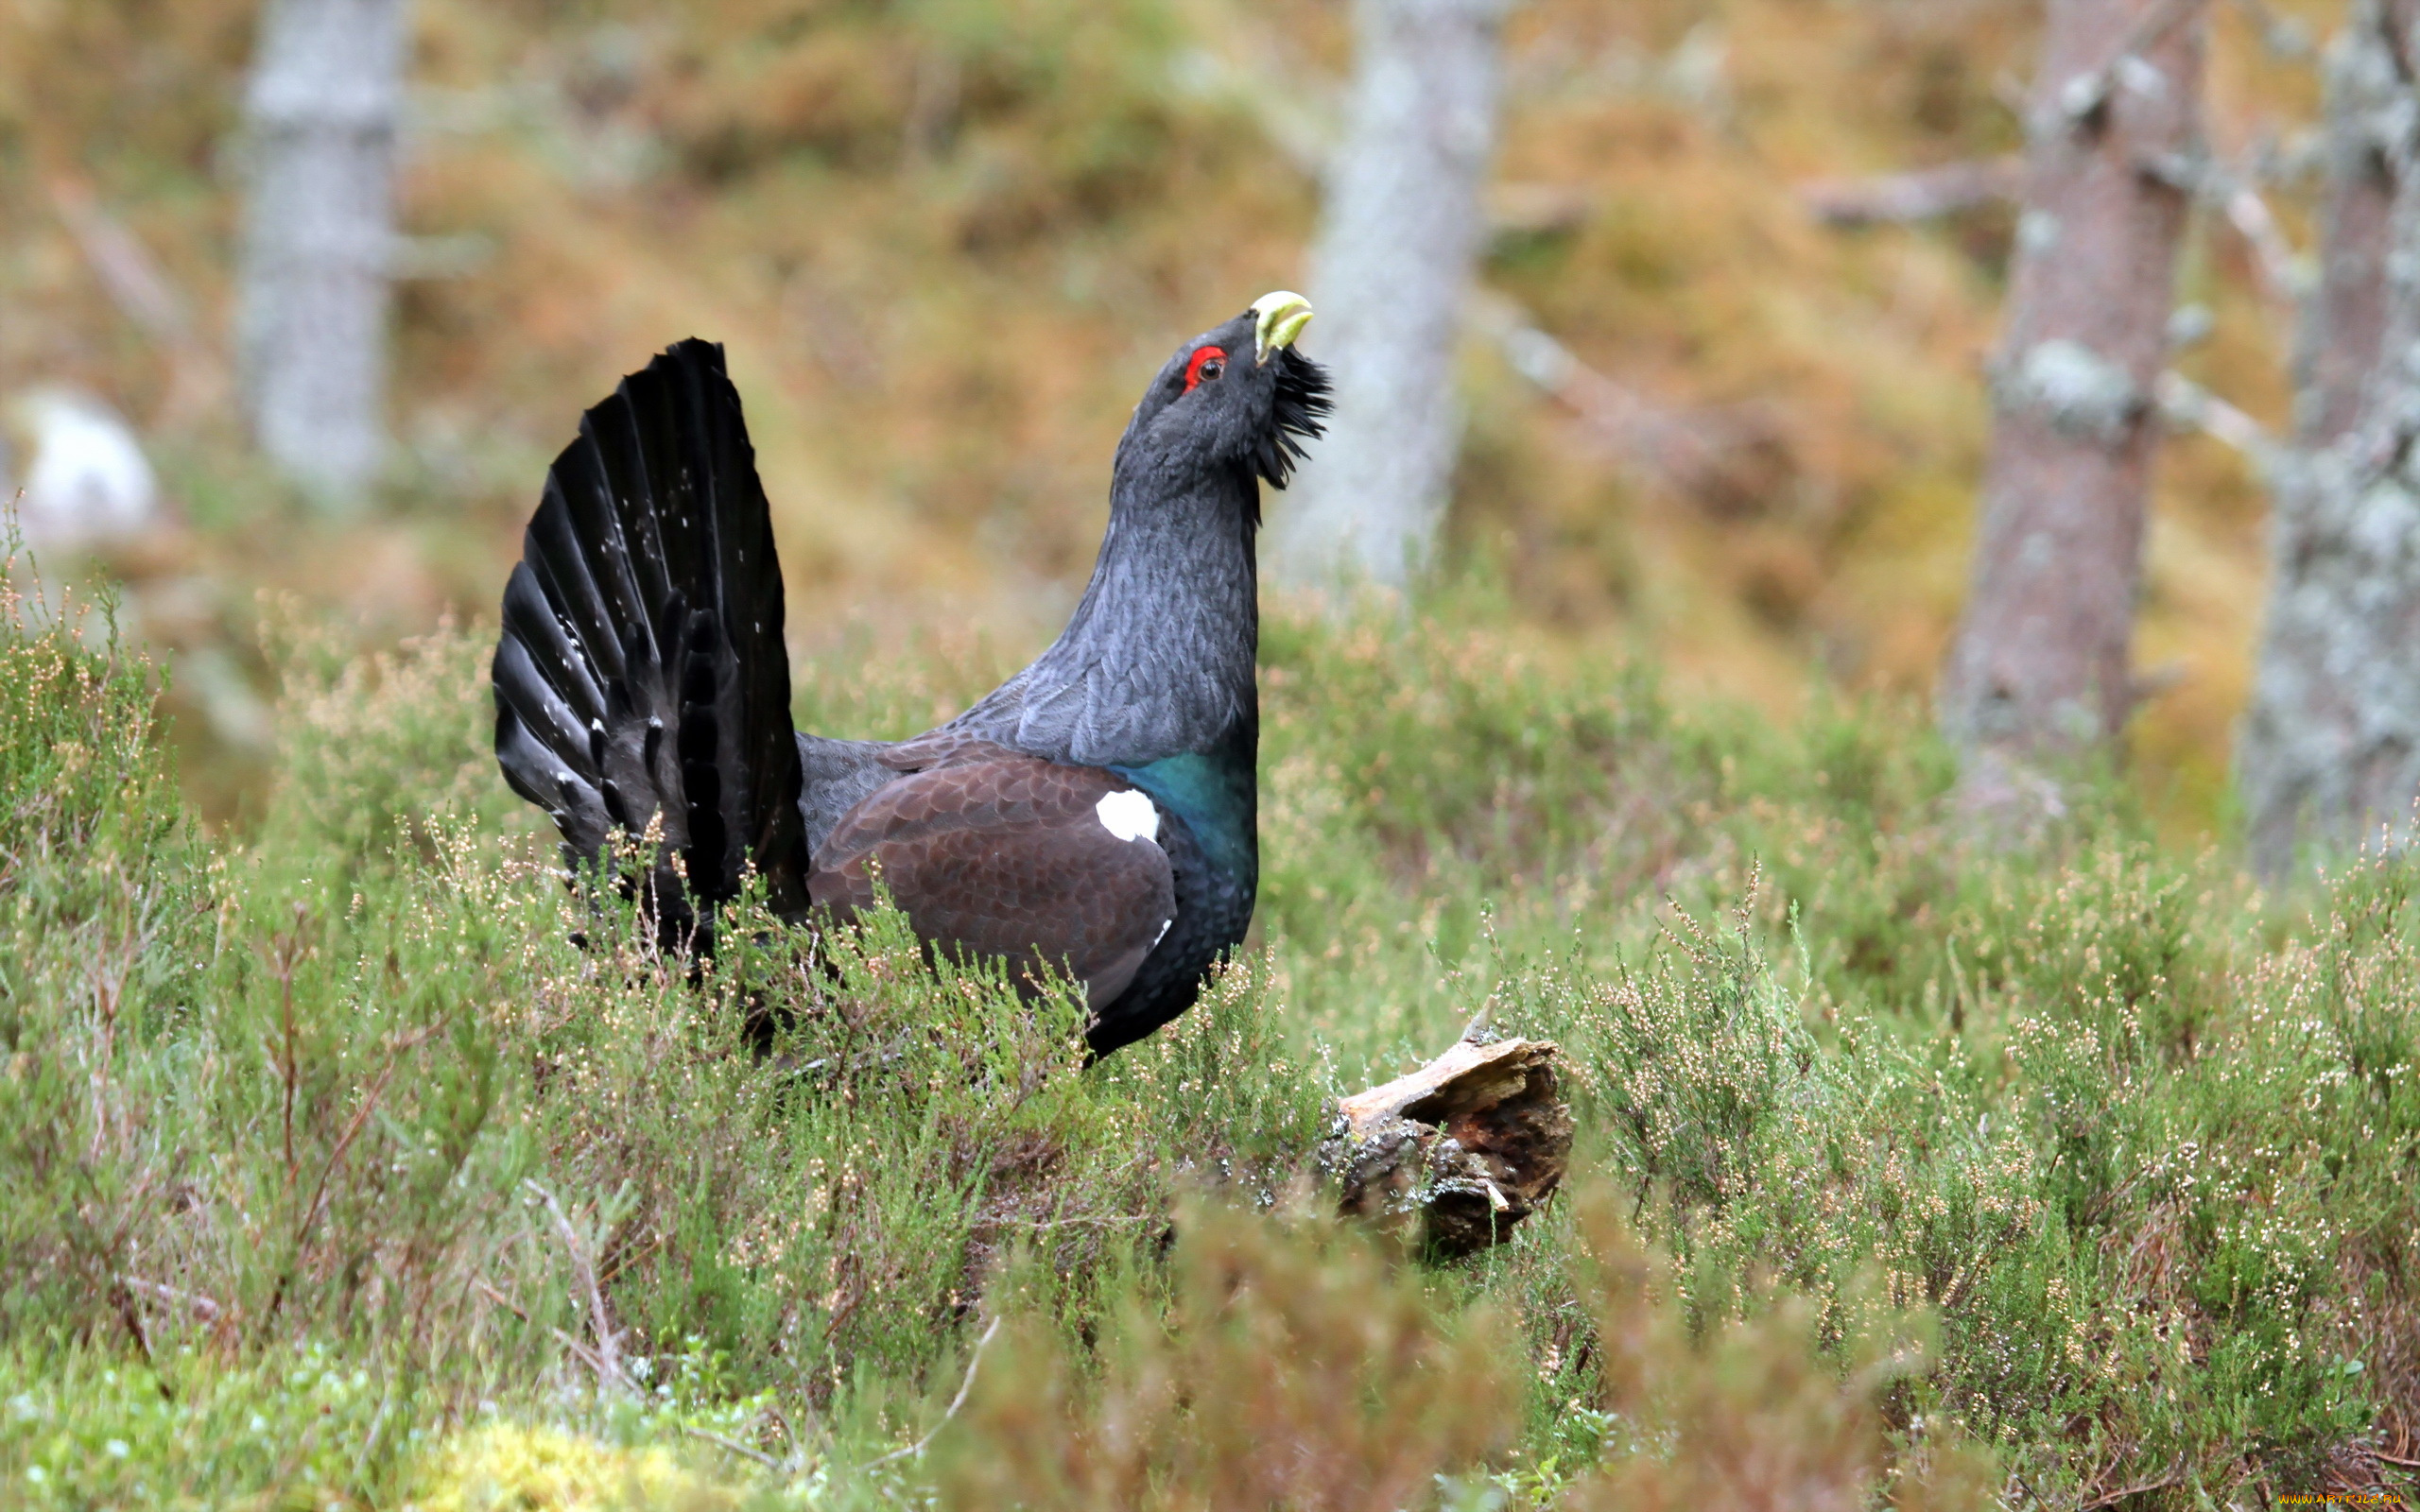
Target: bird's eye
[[1207, 363]]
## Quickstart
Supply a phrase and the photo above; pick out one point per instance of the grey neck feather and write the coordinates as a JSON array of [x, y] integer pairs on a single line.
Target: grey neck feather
[[1157, 660]]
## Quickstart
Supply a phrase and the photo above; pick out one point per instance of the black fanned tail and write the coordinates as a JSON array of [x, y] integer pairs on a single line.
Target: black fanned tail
[[642, 683]]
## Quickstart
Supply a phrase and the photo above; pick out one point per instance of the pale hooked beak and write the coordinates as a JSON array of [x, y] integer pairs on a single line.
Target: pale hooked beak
[[1278, 318]]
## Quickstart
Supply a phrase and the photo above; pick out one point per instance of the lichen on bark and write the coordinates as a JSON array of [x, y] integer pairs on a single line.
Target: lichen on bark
[[2038, 676], [2330, 746]]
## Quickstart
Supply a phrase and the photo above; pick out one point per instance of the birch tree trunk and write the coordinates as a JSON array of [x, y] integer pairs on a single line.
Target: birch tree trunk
[[2038, 674], [2331, 746], [322, 113], [1389, 272]]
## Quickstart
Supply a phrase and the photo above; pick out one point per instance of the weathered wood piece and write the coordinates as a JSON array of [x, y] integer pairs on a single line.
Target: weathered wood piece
[[1468, 1146]]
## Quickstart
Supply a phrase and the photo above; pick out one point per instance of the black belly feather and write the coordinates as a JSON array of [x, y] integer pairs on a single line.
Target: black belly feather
[[1212, 910]]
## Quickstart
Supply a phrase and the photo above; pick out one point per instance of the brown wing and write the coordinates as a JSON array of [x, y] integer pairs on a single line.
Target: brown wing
[[1010, 856], [945, 748]]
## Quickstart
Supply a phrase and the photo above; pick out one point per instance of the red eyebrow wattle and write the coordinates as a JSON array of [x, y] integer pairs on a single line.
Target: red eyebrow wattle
[[1192, 369]]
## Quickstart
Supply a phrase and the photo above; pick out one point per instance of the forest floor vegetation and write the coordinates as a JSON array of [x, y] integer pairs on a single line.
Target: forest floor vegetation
[[1910, 1172]]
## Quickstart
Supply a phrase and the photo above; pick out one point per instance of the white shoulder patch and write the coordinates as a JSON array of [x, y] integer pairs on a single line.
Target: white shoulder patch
[[1129, 815]]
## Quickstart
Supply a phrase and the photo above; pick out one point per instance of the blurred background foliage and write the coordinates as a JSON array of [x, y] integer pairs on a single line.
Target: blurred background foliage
[[947, 240]]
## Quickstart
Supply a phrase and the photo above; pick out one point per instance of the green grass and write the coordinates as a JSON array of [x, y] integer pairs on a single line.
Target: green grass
[[1948, 1173]]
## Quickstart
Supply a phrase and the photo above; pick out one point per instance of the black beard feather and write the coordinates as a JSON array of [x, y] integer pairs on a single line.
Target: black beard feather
[[1303, 390]]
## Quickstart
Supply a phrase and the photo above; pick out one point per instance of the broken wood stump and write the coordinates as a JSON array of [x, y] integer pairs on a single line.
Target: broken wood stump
[[1467, 1146]]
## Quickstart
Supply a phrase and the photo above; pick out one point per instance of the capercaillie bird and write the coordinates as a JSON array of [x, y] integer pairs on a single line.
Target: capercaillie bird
[[1094, 816]]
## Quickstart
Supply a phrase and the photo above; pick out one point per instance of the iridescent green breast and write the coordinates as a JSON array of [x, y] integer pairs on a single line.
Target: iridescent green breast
[[1214, 852], [1217, 794]]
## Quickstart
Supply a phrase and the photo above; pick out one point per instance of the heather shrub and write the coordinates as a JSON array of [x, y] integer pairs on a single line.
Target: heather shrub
[[1290, 1366], [2070, 1169], [1296, 1367], [105, 934], [377, 748], [1754, 1412]]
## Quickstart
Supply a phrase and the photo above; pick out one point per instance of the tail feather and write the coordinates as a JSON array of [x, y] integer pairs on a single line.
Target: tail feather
[[558, 663], [641, 682], [612, 509]]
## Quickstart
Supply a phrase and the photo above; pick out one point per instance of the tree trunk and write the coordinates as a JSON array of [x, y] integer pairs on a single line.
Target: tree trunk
[[1400, 232], [2331, 744], [2038, 676], [322, 114]]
